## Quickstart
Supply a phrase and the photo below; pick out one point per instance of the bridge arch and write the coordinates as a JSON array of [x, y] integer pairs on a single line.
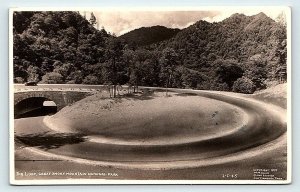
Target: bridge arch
[[35, 99], [34, 106]]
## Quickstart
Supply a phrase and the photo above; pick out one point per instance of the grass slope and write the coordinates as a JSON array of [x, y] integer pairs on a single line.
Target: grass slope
[[148, 117], [276, 95]]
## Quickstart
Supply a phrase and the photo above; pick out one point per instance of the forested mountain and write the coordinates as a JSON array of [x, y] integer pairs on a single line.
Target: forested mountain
[[149, 35], [241, 53], [252, 48], [58, 47]]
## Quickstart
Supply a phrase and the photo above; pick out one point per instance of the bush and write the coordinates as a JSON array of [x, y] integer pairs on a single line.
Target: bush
[[91, 80], [19, 80], [71, 82], [52, 78], [243, 85]]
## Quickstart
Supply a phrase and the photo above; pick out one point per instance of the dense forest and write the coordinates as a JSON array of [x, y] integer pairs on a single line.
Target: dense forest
[[241, 53]]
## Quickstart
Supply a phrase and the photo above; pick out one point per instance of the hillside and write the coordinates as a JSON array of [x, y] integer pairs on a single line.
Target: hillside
[[58, 47], [251, 46], [276, 95], [148, 35]]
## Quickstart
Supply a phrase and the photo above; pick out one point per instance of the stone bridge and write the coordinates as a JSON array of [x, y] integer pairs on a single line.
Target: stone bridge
[[28, 100]]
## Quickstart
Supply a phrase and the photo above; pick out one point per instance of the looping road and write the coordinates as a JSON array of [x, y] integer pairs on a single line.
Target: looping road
[[264, 131]]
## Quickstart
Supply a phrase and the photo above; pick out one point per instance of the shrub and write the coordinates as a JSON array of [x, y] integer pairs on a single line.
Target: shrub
[[91, 79], [243, 85], [18, 80], [52, 78]]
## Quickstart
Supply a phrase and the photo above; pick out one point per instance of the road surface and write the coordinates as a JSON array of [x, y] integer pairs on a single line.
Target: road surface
[[264, 133]]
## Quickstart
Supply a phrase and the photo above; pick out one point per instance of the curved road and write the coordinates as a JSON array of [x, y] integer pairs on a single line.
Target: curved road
[[265, 131]]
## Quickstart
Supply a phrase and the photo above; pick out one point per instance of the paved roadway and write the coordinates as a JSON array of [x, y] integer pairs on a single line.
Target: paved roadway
[[264, 132]]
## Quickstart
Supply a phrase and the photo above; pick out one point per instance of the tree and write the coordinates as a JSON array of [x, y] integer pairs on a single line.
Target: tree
[[281, 19], [91, 79], [52, 78], [256, 71], [281, 53], [114, 72], [244, 85], [76, 77], [149, 71], [64, 69], [93, 19], [228, 71], [191, 78], [168, 62], [21, 20], [137, 65], [33, 73]]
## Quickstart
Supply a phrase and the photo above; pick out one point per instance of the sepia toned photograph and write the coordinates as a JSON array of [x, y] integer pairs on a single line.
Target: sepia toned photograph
[[150, 96]]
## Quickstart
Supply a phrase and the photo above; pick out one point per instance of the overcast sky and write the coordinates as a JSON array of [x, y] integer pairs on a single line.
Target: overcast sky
[[120, 22]]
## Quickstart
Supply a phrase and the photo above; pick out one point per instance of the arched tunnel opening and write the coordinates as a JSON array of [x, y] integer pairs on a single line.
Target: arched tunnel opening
[[34, 107]]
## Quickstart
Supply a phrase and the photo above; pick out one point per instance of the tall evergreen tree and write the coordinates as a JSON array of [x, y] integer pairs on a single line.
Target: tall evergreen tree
[[93, 19]]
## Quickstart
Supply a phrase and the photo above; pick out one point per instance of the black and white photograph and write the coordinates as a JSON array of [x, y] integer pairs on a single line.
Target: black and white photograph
[[150, 96]]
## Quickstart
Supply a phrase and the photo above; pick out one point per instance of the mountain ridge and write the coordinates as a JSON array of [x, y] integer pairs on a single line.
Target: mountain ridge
[[149, 35]]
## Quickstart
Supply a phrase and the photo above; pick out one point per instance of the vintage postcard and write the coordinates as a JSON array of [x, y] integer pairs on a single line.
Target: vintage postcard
[[180, 95]]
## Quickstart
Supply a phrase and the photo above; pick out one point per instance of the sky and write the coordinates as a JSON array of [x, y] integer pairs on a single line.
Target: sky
[[121, 22]]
